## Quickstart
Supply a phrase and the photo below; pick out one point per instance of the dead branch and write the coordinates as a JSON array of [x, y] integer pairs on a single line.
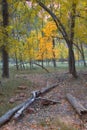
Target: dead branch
[[41, 66], [46, 101]]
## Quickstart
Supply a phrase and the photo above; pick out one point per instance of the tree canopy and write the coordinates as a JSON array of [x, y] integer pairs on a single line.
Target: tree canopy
[[39, 29]]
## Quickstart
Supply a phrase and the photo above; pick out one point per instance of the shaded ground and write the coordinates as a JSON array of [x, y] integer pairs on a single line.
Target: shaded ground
[[48, 117]]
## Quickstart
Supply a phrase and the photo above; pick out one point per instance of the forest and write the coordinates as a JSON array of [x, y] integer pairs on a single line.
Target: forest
[[43, 64]]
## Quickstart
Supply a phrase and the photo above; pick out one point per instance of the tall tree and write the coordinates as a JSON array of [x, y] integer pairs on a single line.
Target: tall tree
[[72, 69], [67, 38], [5, 56]]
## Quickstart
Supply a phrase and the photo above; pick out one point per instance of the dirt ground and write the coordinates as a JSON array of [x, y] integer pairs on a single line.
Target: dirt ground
[[42, 117]]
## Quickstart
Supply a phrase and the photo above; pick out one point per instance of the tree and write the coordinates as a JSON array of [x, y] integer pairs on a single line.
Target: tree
[[68, 38], [5, 56], [47, 42]]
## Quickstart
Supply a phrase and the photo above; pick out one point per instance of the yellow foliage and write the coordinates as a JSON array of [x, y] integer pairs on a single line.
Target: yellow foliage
[[50, 29]]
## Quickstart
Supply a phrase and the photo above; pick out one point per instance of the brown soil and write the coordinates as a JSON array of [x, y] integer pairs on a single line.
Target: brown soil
[[41, 116]]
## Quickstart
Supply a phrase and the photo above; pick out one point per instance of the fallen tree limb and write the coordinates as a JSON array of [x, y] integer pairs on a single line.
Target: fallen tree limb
[[40, 66], [7, 116], [46, 101], [80, 109], [18, 110]]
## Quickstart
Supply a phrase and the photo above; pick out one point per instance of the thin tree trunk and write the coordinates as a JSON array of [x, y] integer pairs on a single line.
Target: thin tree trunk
[[17, 66], [81, 50], [54, 60], [42, 62], [30, 64], [83, 56]]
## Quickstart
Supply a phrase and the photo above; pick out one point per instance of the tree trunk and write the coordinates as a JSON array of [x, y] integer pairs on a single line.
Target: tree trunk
[[81, 50], [5, 57], [72, 68], [16, 60], [54, 60], [30, 64], [83, 56], [5, 69], [42, 62]]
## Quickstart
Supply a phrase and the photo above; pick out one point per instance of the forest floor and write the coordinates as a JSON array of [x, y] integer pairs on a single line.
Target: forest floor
[[52, 117]]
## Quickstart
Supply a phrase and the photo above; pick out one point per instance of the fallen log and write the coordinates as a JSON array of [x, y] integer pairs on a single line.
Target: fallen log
[[18, 110], [7, 116], [35, 96], [80, 109], [47, 89]]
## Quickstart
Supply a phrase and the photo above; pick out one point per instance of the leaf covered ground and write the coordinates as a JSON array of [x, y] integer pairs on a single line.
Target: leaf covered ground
[[52, 117]]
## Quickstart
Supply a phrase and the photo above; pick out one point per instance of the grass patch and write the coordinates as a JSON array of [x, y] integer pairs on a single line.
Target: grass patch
[[9, 89], [55, 124]]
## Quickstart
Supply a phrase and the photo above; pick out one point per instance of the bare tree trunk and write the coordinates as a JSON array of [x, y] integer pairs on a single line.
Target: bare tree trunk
[[5, 69], [54, 60], [72, 68], [5, 56]]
